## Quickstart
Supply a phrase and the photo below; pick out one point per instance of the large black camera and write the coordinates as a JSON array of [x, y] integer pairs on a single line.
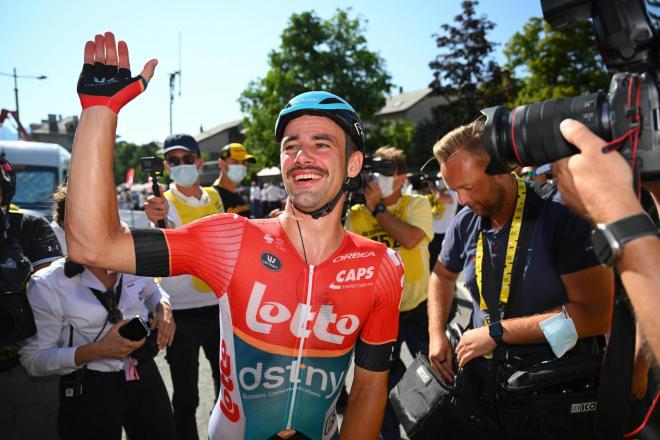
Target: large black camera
[[629, 44], [370, 166]]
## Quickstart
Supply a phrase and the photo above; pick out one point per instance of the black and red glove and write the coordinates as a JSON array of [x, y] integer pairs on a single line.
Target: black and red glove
[[102, 84]]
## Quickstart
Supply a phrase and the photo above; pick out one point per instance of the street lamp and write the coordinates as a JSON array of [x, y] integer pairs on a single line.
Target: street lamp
[[16, 83]]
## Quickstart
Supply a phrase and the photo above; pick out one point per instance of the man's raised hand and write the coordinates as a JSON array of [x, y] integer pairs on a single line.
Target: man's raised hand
[[106, 76]]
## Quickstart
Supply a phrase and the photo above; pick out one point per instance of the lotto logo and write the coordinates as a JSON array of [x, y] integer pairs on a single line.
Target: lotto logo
[[260, 317], [227, 405]]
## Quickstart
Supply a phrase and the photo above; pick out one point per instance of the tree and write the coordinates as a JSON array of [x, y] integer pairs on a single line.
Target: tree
[[314, 54], [463, 60], [557, 63], [127, 155], [400, 134]]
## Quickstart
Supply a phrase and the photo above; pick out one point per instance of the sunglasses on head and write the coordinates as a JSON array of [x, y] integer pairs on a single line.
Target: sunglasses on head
[[187, 159]]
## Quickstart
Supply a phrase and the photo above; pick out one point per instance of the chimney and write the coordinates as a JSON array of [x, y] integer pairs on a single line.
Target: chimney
[[400, 90], [52, 124]]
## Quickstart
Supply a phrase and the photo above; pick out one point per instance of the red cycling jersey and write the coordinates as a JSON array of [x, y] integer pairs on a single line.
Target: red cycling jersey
[[288, 329]]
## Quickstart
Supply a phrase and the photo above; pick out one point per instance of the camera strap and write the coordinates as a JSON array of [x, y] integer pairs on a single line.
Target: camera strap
[[520, 235]]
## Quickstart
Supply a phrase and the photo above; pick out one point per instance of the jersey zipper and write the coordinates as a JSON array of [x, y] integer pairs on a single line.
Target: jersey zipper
[[304, 319]]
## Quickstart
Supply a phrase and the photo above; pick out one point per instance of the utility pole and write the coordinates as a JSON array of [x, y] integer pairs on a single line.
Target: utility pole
[[173, 76], [17, 116]]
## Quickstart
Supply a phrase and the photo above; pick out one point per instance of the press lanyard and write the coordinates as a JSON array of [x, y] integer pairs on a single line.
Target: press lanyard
[[512, 244]]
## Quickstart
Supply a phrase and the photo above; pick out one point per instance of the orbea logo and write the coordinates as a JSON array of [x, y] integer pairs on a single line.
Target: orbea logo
[[261, 318], [227, 405], [352, 275], [353, 255]]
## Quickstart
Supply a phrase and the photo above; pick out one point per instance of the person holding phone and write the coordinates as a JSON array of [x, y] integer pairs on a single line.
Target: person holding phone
[[106, 380]]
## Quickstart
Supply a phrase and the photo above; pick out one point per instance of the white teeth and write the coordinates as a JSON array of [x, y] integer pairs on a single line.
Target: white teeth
[[307, 176]]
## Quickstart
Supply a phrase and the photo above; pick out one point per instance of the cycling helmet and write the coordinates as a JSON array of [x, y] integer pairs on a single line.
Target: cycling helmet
[[320, 103]]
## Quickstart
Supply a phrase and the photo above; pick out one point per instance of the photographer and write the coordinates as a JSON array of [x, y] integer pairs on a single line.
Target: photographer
[[402, 223], [526, 260], [27, 244], [599, 186]]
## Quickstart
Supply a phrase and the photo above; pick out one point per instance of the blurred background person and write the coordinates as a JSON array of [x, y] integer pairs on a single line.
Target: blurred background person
[[28, 405], [233, 169]]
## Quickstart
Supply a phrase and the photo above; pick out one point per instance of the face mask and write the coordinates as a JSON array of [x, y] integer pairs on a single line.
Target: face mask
[[236, 173], [560, 332], [386, 185], [184, 175]]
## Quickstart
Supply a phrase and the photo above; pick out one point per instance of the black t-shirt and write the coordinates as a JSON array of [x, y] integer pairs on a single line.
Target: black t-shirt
[[560, 244], [233, 203], [40, 246], [37, 238]]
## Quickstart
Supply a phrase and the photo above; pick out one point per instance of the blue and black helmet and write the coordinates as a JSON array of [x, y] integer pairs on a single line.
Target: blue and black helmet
[[320, 103]]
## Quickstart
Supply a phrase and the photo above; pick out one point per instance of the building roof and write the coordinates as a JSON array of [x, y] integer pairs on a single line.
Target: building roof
[[217, 129], [402, 102], [65, 125]]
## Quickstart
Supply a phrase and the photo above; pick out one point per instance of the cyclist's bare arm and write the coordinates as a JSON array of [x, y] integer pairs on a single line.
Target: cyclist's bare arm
[[94, 235]]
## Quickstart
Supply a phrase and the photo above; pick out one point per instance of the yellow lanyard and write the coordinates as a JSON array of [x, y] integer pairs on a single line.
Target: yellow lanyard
[[514, 234]]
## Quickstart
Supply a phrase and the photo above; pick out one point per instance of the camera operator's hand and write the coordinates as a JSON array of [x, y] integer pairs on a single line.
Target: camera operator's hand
[[115, 346], [372, 195], [474, 343], [594, 184], [106, 79], [156, 208], [165, 324], [441, 356]]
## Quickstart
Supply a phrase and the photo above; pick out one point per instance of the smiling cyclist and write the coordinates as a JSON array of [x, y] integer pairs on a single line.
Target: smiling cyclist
[[298, 295]]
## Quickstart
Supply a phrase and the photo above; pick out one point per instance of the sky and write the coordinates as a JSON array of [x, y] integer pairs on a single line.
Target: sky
[[224, 46]]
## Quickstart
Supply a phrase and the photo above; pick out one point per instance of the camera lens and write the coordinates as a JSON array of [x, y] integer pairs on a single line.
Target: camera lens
[[529, 134]]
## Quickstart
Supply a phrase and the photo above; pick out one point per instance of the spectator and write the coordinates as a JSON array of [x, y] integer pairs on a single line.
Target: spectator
[[102, 387], [444, 203], [23, 399], [255, 200], [233, 170], [403, 223], [560, 272], [194, 305]]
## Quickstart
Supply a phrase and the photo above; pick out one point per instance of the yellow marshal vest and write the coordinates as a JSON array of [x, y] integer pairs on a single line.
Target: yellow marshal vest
[[415, 261], [189, 213]]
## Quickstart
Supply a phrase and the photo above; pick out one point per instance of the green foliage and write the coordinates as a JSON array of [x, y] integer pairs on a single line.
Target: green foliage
[[398, 134], [314, 54], [463, 61], [555, 64], [127, 155]]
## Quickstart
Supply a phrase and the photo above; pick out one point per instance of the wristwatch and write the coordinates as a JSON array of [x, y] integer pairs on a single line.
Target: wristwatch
[[378, 209], [496, 331], [608, 239]]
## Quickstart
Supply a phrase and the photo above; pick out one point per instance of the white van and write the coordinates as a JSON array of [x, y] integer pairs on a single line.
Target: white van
[[40, 168]]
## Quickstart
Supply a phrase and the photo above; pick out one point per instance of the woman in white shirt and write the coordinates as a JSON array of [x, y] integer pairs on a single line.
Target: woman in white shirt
[[102, 386]]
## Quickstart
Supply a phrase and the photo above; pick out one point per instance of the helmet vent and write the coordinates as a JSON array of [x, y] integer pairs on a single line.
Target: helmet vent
[[331, 101]]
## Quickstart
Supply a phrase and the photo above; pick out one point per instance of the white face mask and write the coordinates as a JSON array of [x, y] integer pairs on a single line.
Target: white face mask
[[236, 173], [386, 184], [184, 175]]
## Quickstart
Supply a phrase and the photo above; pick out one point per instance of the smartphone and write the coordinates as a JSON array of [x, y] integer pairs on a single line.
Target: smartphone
[[135, 329]]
